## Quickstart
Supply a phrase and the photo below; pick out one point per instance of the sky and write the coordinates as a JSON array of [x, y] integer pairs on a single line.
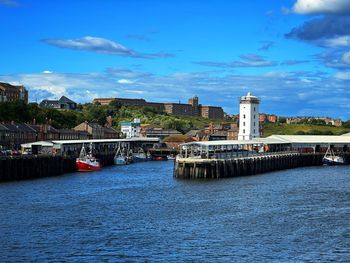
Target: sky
[[293, 54]]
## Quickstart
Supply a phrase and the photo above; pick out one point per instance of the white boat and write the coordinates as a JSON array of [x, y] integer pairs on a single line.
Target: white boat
[[331, 159], [140, 156], [120, 158], [171, 157], [86, 162]]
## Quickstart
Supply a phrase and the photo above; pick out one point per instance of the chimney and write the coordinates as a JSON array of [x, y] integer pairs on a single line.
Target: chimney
[[109, 121]]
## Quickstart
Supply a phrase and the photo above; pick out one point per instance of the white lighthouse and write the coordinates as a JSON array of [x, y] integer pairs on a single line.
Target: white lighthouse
[[248, 117]]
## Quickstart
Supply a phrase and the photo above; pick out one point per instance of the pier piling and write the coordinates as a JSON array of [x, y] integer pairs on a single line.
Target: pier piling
[[221, 168]]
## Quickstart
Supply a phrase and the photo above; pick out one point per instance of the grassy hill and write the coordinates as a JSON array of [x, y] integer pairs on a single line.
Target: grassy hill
[[295, 129]]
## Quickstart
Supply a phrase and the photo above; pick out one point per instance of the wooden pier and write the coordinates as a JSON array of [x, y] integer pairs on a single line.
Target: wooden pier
[[29, 167], [191, 168]]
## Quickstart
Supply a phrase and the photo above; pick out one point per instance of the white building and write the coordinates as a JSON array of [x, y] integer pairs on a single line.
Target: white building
[[131, 129], [248, 117]]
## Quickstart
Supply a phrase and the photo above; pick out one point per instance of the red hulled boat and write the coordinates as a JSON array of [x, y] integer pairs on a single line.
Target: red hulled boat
[[86, 162]]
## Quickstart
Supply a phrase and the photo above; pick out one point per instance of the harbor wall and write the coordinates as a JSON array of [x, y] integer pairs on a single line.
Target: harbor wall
[[29, 167], [222, 168]]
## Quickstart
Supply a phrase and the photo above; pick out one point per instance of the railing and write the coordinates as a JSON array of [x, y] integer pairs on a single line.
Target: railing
[[235, 155]]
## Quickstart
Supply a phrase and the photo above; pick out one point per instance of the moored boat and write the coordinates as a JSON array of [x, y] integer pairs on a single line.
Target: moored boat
[[331, 159], [140, 156], [86, 162], [171, 157], [120, 158], [159, 158]]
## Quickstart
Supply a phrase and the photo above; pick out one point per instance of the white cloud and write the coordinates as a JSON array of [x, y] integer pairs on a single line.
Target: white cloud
[[249, 60], [321, 6], [134, 91], [342, 75], [121, 72], [125, 81], [346, 58], [276, 74], [47, 72], [335, 42], [102, 45], [281, 92]]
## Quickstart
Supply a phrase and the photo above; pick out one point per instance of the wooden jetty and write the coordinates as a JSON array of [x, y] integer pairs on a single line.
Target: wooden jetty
[[220, 159], [58, 157]]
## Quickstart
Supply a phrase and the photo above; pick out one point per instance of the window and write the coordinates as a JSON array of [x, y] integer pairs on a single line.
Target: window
[[243, 130], [244, 123], [243, 116], [254, 124], [254, 130], [254, 109], [254, 116]]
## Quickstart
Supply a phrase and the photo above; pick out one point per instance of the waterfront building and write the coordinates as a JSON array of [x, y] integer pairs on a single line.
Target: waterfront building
[[249, 117], [131, 129], [70, 134], [110, 133], [12, 135], [63, 103], [45, 132], [12, 93]]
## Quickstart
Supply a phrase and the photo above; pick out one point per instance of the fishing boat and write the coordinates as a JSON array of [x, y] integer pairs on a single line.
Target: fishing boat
[[331, 159], [120, 158], [159, 158], [86, 162], [140, 156], [171, 157]]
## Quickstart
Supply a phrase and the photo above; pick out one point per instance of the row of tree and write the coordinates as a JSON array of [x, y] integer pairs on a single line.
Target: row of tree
[[21, 112]]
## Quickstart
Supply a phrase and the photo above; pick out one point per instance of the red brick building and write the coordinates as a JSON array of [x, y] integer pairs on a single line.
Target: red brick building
[[12, 93]]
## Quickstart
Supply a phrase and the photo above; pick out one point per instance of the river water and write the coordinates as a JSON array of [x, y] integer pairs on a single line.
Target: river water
[[140, 213]]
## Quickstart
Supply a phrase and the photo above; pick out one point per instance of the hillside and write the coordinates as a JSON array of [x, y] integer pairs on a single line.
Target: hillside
[[301, 129], [21, 112]]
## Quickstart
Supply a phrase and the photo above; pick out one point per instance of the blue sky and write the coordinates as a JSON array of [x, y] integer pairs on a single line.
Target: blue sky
[[294, 54]]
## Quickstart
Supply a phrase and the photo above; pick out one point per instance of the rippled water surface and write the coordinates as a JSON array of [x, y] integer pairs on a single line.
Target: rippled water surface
[[141, 213]]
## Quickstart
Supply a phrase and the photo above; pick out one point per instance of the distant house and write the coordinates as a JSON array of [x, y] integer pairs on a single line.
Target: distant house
[[93, 129], [174, 141], [63, 103], [70, 134], [196, 135], [45, 132], [218, 136], [110, 133], [159, 133], [12, 93], [12, 135]]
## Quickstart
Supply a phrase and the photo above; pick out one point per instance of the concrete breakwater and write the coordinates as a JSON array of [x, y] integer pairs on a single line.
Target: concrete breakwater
[[188, 168], [28, 167]]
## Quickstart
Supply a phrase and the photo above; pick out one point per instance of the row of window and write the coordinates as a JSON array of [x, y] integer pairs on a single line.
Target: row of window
[[253, 123], [244, 131], [244, 116]]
